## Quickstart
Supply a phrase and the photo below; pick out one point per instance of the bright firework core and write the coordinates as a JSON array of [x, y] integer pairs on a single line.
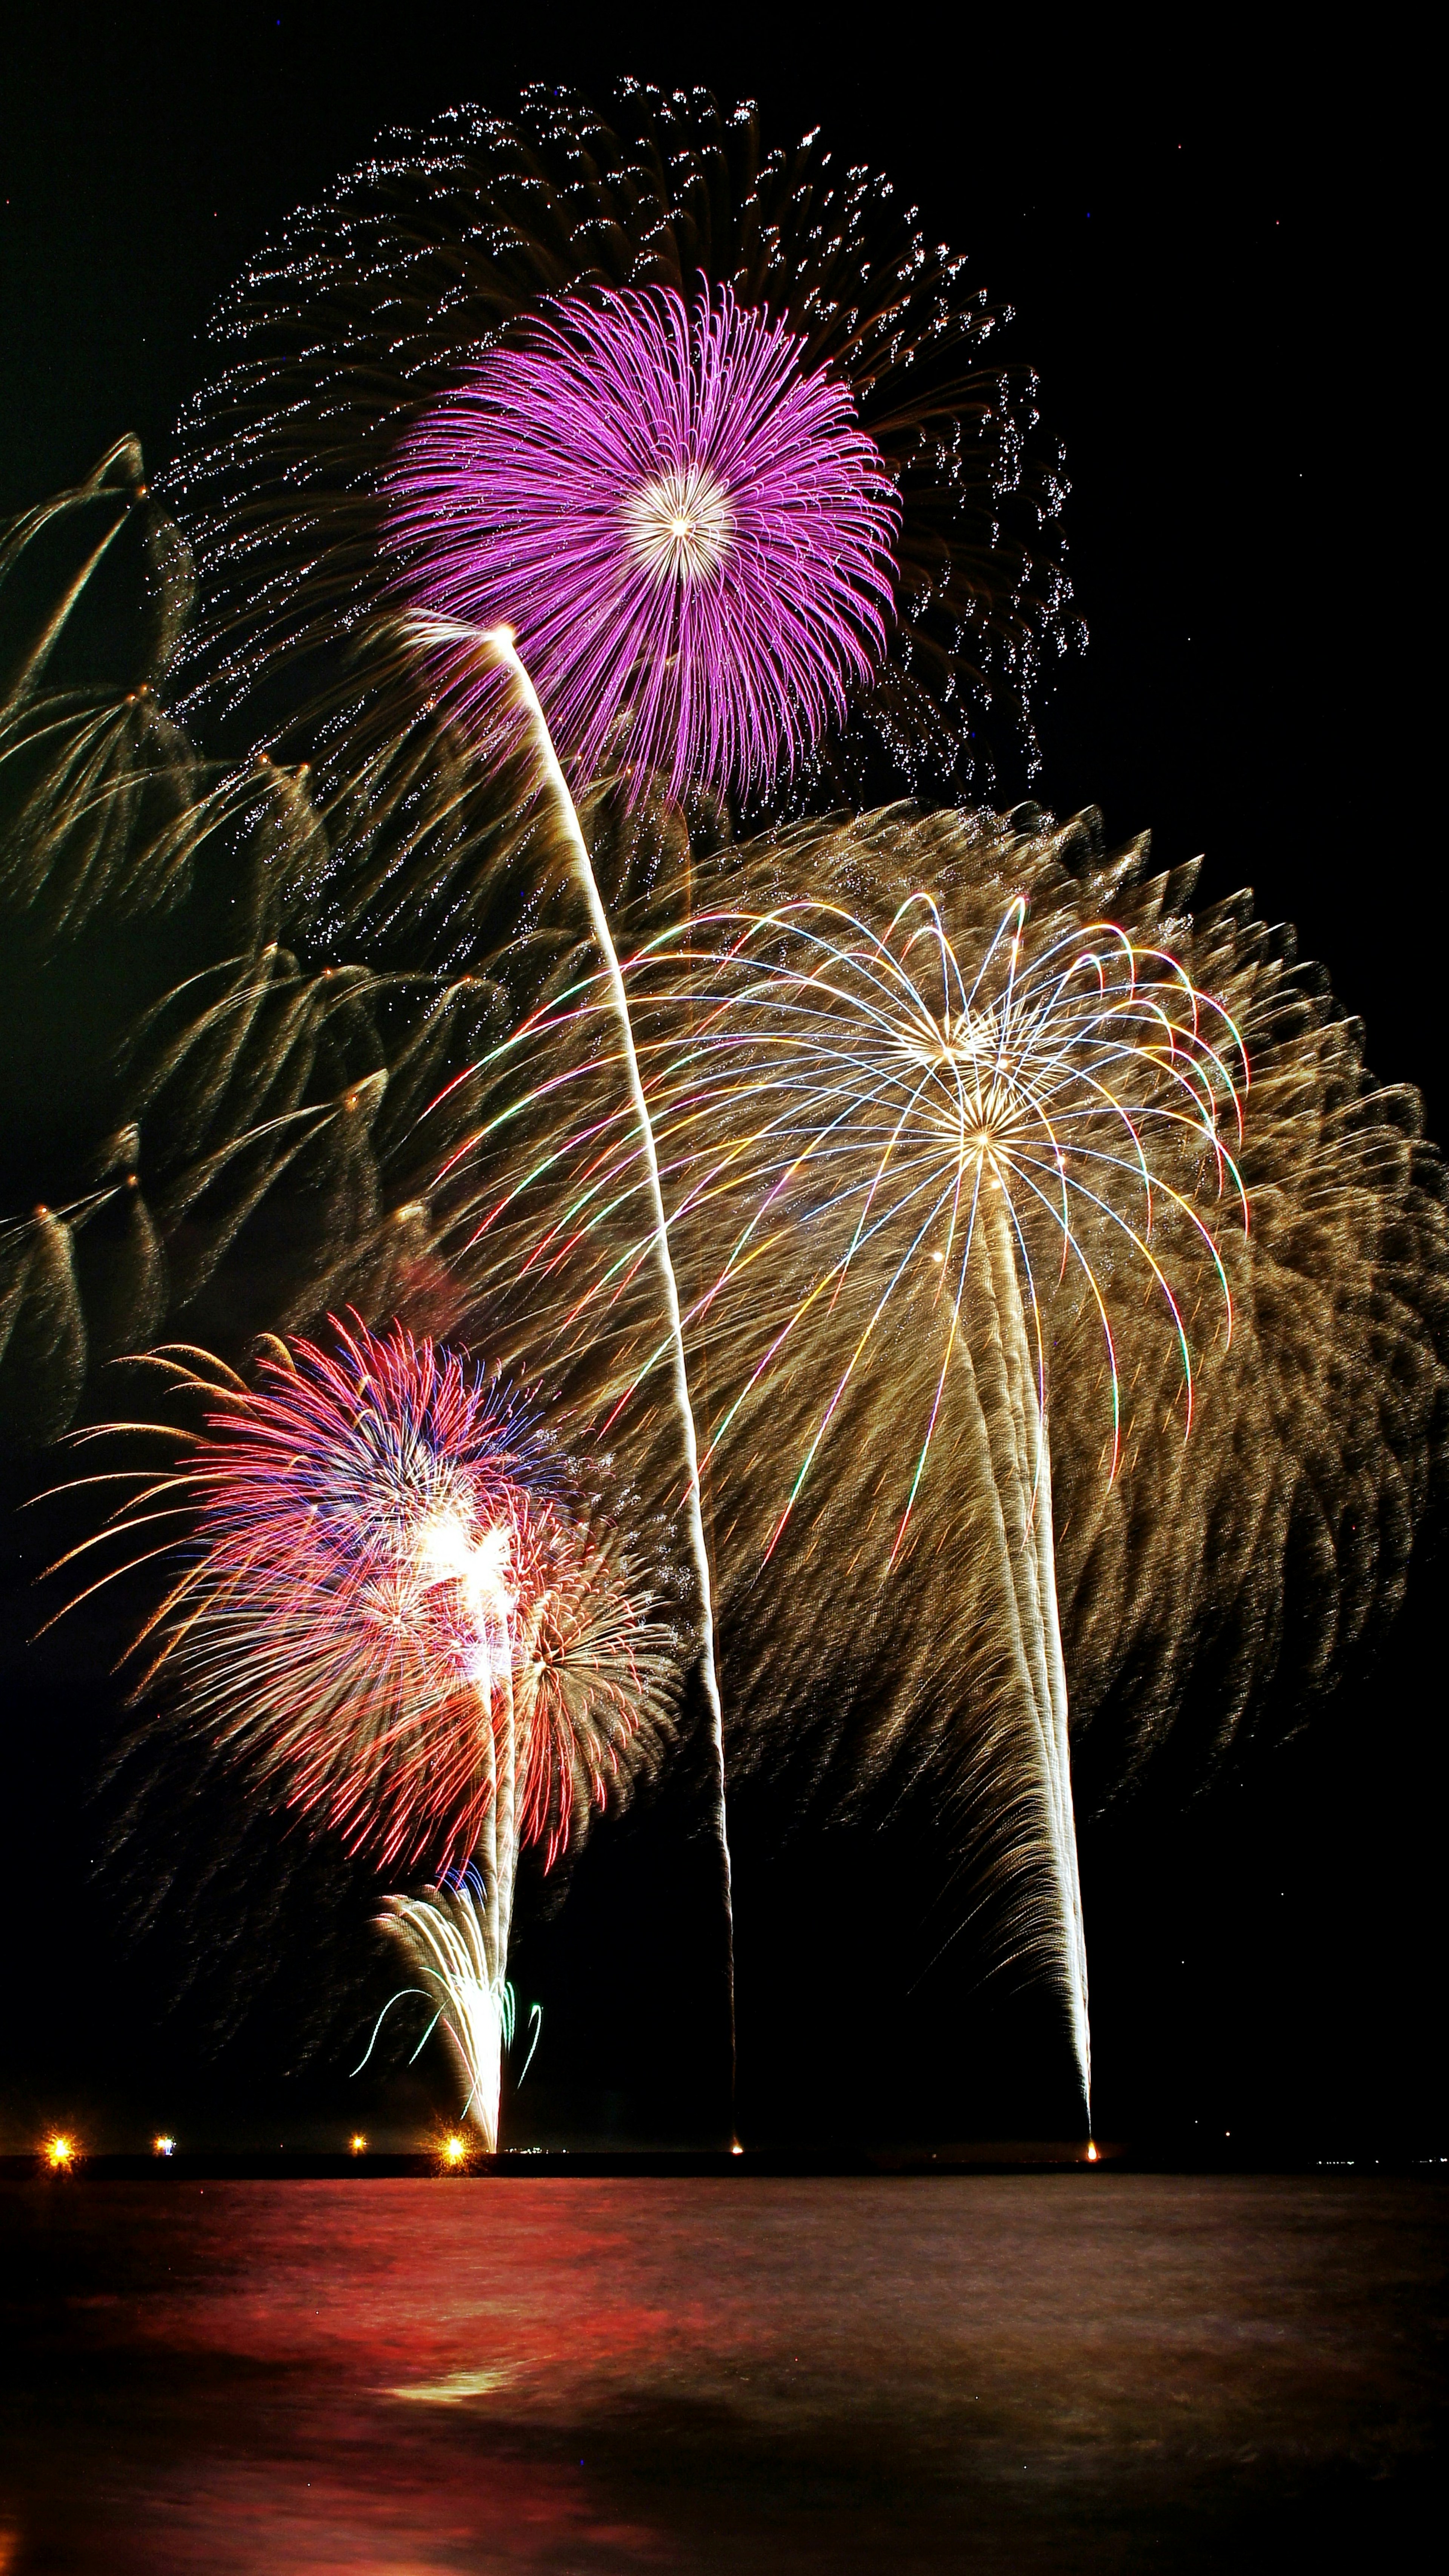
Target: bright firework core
[[390, 1609], [445, 1550], [680, 525], [970, 1093]]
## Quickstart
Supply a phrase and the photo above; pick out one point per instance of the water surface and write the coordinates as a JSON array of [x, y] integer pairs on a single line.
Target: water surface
[[418, 2378]]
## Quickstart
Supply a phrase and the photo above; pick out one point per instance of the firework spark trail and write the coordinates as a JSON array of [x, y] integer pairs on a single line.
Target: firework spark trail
[[449, 1934], [1022, 1478], [502, 643]]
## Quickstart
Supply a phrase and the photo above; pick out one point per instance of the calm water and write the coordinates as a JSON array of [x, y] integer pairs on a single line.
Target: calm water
[[1054, 2373]]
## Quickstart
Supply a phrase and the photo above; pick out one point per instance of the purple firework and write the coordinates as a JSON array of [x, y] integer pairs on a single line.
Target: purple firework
[[686, 530]]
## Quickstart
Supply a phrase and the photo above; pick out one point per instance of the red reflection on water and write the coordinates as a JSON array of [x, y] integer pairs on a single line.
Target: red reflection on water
[[426, 2378]]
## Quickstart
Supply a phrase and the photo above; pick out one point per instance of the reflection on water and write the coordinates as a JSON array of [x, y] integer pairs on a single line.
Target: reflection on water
[[420, 2378]]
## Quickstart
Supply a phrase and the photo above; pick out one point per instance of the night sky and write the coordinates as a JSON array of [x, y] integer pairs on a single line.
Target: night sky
[[1211, 266]]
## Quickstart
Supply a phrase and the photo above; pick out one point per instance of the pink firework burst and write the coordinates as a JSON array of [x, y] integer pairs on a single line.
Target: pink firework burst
[[387, 1607], [686, 530]]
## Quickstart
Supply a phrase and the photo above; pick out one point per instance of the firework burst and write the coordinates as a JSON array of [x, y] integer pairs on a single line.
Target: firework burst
[[430, 269], [907, 1129], [388, 1614], [897, 1132], [958, 1143], [900, 1115], [365, 1520], [684, 528]]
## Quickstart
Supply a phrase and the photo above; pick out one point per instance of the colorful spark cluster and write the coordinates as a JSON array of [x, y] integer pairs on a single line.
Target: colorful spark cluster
[[680, 522], [872, 1128], [387, 1606], [911, 1118]]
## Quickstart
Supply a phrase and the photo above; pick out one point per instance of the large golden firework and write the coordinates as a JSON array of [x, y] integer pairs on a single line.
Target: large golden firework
[[1064, 1303]]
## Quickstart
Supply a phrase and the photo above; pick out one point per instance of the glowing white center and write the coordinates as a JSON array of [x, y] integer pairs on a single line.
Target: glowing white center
[[448, 1553], [680, 525], [975, 1098]]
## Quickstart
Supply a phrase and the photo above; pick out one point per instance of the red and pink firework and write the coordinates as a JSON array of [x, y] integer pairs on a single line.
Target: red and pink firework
[[683, 525], [389, 1609]]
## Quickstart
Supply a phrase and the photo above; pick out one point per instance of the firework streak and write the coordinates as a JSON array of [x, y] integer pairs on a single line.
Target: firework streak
[[498, 645]]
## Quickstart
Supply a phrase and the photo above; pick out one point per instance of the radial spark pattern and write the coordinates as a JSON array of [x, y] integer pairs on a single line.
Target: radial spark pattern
[[1208, 1577], [365, 316], [885, 1104], [388, 1608], [688, 534]]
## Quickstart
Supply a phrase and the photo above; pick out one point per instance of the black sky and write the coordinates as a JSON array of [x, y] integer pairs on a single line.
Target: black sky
[[1212, 259]]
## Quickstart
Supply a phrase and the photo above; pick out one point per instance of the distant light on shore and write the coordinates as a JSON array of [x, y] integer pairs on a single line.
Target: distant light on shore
[[163, 2146], [358, 2144], [60, 2153]]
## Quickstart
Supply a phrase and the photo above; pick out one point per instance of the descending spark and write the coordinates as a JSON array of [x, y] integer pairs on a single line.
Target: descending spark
[[535, 2024], [503, 644]]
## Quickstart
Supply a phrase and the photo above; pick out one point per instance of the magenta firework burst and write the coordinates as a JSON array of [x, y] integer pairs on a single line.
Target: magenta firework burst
[[683, 525]]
